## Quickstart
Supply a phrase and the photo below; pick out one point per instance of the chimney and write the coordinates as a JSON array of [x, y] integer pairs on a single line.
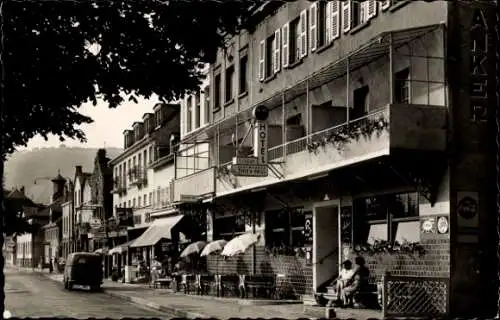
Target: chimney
[[101, 153], [79, 170], [22, 189]]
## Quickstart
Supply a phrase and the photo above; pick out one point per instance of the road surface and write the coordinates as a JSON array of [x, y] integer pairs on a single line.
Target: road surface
[[30, 294]]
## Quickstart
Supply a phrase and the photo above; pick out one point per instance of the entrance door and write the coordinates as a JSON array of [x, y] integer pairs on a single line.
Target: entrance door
[[326, 241]]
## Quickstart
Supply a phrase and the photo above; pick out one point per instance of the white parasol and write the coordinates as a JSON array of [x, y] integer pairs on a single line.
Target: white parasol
[[240, 244], [213, 246], [194, 247]]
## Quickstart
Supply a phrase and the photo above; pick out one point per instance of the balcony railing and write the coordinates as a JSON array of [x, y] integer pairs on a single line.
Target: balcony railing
[[119, 186], [302, 143]]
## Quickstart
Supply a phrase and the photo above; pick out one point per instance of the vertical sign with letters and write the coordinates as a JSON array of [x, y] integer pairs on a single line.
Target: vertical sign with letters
[[260, 139], [478, 66]]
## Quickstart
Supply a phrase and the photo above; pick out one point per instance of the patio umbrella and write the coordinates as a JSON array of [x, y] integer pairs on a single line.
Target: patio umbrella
[[194, 247], [213, 246], [240, 244]]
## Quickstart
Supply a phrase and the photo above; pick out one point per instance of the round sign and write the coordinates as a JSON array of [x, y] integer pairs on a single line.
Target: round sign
[[95, 223], [260, 113], [442, 225]]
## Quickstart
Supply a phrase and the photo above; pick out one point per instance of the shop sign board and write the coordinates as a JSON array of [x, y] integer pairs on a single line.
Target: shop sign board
[[261, 141], [245, 160], [250, 170]]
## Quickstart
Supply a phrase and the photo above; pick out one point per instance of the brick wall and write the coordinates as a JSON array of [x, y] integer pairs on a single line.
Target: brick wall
[[298, 275], [435, 262]]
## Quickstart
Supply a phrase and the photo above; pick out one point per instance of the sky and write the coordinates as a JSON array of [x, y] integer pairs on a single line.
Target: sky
[[107, 128]]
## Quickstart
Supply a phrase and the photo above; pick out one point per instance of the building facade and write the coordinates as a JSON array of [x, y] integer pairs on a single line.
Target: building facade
[[378, 117], [83, 210], [141, 182], [67, 220]]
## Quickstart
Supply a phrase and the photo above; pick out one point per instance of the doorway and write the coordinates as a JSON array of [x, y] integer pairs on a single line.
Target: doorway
[[326, 241]]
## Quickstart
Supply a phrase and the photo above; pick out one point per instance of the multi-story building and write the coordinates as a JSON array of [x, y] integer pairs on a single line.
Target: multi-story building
[[67, 220], [22, 247], [52, 245], [83, 210], [375, 128], [141, 182]]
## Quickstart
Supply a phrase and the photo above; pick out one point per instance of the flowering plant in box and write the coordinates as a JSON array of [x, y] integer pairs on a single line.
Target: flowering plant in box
[[383, 246], [286, 251]]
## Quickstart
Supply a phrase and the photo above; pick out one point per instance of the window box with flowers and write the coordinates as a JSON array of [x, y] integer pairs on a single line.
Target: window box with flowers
[[388, 228]]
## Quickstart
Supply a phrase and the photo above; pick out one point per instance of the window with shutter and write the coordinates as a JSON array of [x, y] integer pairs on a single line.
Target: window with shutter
[[313, 26], [285, 40], [384, 5], [335, 20], [277, 51], [346, 16], [262, 60], [303, 33], [372, 8]]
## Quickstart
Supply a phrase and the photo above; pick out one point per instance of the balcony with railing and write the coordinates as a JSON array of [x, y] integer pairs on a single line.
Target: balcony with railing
[[119, 186], [195, 175], [389, 95], [138, 176]]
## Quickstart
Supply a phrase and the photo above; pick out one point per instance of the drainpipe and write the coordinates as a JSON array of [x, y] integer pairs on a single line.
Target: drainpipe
[[348, 88], [391, 70]]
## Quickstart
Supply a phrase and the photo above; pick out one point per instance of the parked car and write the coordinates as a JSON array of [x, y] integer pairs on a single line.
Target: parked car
[[84, 269]]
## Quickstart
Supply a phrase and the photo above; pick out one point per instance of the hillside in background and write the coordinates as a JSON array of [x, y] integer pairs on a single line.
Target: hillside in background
[[23, 167]]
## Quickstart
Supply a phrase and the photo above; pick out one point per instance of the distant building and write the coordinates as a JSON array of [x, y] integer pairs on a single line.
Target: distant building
[[82, 197], [67, 219], [53, 230], [24, 248]]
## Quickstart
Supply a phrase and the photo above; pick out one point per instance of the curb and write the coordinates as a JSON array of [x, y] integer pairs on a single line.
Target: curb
[[144, 303], [155, 306]]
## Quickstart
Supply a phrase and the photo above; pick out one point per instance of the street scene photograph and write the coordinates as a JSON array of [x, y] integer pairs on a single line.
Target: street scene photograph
[[249, 159]]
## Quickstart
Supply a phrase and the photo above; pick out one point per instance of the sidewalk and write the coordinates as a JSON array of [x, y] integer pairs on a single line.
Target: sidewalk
[[191, 306]]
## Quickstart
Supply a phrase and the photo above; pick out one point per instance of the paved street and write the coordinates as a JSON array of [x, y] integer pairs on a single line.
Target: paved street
[[34, 295]]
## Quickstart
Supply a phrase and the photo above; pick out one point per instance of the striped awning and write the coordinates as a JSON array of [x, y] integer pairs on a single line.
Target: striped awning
[[159, 229]]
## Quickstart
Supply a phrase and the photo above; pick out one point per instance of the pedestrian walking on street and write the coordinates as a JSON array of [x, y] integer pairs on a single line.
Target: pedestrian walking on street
[[51, 268]]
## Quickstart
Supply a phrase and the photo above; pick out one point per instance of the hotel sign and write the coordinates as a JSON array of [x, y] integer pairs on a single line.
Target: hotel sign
[[478, 88], [250, 170]]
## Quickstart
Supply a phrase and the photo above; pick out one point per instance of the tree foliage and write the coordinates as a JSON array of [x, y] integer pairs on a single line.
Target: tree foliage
[[60, 54]]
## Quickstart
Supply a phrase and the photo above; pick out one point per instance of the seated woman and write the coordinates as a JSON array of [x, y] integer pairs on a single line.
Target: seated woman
[[344, 278], [357, 282]]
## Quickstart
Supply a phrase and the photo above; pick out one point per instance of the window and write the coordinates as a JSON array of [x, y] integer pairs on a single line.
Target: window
[[321, 25], [145, 159], [402, 86], [360, 102], [356, 13], [189, 112], [228, 227], [145, 200], [294, 41], [150, 198], [139, 202], [133, 203], [243, 85], [217, 100], [158, 117], [139, 161], [229, 83], [277, 228], [269, 56], [392, 217], [206, 96], [197, 110], [147, 217], [151, 155]]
